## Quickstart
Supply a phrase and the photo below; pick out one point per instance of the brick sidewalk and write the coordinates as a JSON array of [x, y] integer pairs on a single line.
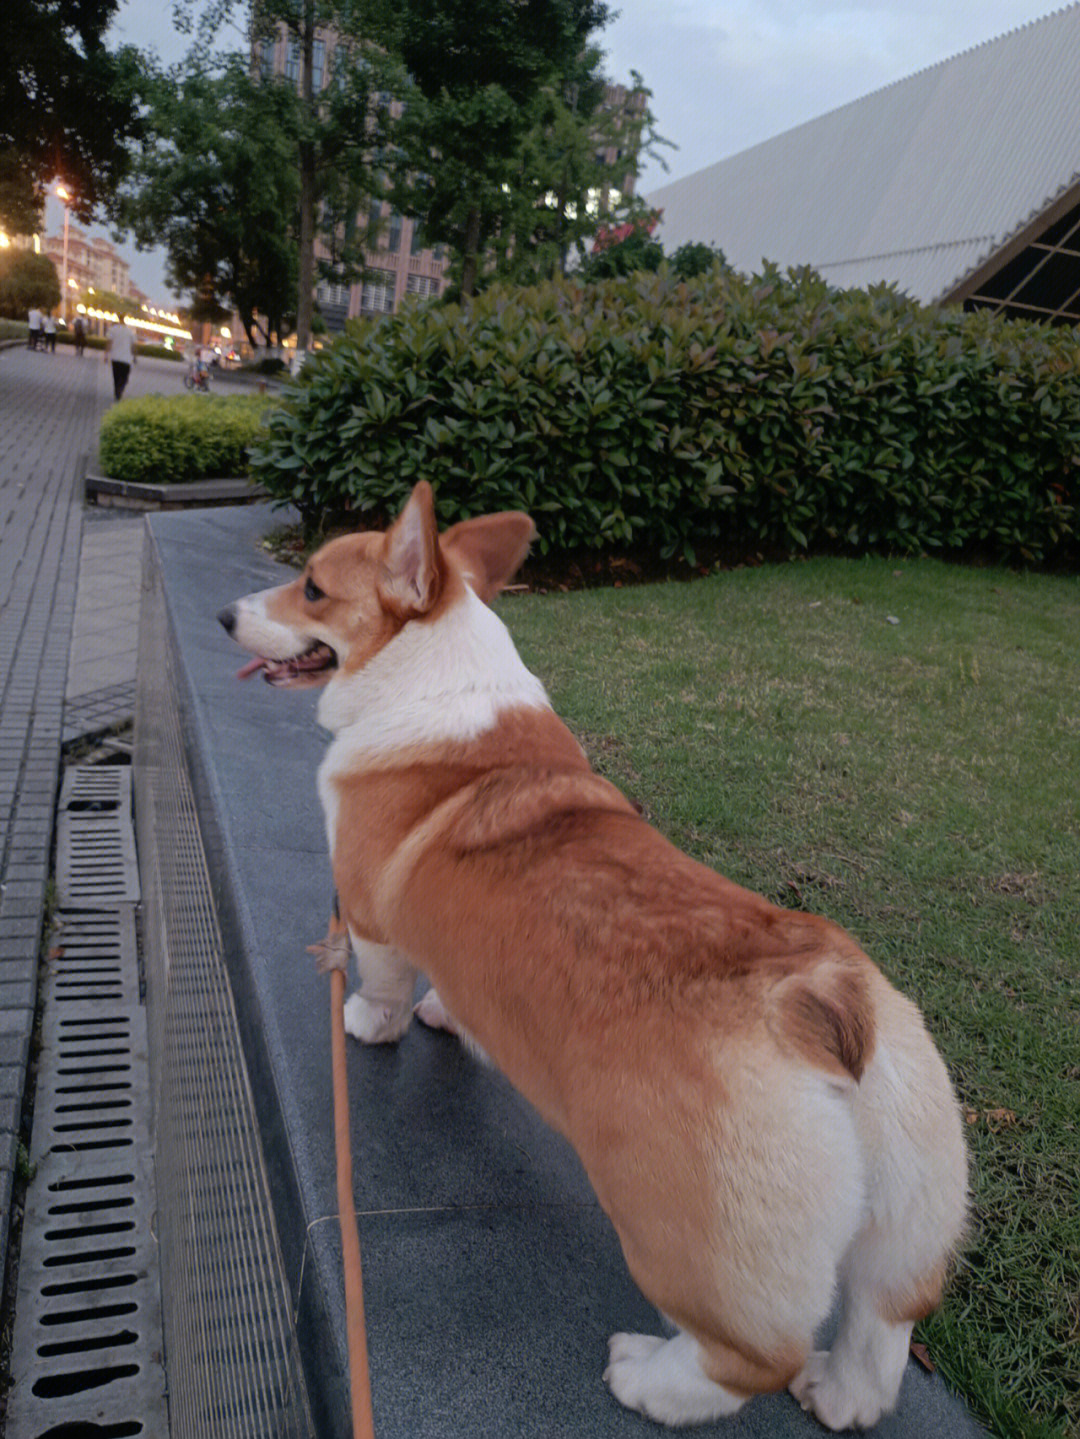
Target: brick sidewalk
[[50, 408]]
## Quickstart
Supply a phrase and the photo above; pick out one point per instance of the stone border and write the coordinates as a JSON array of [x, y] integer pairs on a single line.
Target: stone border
[[197, 494]]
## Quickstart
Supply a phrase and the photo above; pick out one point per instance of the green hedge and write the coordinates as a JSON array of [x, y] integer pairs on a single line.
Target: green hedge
[[184, 437], [764, 412]]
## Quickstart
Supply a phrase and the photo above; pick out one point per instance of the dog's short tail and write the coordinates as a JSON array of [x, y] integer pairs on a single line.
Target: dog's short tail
[[826, 1014]]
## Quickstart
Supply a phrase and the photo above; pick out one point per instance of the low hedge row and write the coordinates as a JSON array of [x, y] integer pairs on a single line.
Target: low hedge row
[[183, 437], [769, 411]]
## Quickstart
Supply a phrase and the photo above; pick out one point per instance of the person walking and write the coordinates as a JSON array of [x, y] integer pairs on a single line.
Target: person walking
[[80, 336], [33, 326], [120, 346], [48, 326]]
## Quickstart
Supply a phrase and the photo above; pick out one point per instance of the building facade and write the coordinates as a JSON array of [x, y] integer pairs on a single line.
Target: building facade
[[93, 263], [959, 185]]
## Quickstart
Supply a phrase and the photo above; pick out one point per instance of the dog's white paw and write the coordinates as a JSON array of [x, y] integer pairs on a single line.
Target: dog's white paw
[[824, 1391], [432, 1012], [663, 1379], [375, 1023]]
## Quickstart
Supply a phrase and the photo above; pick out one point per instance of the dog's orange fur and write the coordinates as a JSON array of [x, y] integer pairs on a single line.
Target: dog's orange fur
[[652, 1010]]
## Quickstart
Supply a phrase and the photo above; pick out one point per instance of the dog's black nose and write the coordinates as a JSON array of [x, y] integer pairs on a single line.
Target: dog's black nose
[[227, 617]]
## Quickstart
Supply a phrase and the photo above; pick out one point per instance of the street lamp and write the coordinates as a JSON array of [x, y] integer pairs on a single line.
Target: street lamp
[[64, 194]]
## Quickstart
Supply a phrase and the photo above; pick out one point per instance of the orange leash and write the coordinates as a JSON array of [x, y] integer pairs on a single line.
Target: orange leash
[[333, 954]]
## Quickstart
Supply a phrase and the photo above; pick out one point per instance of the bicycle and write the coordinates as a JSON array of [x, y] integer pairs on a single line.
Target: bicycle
[[197, 378]]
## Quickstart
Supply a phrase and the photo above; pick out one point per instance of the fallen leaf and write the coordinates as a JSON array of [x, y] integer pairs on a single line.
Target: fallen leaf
[[1000, 1119], [922, 1354]]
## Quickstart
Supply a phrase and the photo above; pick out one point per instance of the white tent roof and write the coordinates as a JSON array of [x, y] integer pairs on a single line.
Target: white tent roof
[[920, 183]]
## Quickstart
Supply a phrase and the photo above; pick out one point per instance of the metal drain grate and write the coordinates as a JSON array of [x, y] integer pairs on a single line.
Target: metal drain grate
[[95, 858], [86, 1351], [96, 787]]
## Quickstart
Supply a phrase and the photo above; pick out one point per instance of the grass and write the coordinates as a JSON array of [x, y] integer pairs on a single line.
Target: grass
[[919, 782]]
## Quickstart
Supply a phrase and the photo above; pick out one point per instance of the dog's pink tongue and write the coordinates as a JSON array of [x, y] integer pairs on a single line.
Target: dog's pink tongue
[[252, 667]]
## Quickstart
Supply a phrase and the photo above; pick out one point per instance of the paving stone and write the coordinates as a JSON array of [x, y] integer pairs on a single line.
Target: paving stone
[[19, 994]]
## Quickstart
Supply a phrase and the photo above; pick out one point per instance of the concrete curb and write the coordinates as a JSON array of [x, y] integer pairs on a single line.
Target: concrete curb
[[197, 494]]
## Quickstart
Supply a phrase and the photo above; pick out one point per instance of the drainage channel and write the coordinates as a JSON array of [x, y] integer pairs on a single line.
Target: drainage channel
[[87, 1351]]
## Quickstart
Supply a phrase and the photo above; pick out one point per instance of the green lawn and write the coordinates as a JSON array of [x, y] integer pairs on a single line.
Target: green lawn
[[919, 782]]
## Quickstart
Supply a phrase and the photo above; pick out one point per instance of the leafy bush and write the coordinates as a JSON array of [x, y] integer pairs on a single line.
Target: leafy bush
[[158, 352], [185, 437], [92, 342], [765, 413], [13, 330]]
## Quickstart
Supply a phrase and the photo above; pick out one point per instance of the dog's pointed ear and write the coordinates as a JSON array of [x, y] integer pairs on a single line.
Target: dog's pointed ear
[[489, 550], [412, 571]]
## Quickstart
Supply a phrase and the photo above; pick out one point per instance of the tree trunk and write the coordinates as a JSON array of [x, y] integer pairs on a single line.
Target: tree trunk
[[469, 263], [307, 183]]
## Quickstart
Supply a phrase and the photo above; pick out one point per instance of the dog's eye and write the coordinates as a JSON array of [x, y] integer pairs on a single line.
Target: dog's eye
[[312, 591]]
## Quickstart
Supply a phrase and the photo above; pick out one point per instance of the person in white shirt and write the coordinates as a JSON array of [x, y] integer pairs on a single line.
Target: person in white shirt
[[120, 347], [33, 323], [48, 326]]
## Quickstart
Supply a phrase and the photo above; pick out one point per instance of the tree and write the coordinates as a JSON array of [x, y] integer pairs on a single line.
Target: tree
[[68, 106], [336, 137], [622, 249], [481, 73], [566, 187], [215, 183], [27, 281], [696, 258]]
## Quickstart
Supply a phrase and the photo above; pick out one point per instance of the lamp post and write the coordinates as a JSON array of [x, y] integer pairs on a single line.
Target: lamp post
[[64, 194]]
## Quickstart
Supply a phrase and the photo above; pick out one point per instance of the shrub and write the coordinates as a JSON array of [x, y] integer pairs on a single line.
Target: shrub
[[766, 412], [184, 437]]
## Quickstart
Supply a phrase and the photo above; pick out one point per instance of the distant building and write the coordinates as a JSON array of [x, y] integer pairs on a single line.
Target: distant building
[[960, 184], [92, 263]]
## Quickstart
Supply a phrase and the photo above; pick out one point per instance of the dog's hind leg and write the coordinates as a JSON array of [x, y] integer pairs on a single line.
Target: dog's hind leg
[[380, 1013], [892, 1275], [664, 1380]]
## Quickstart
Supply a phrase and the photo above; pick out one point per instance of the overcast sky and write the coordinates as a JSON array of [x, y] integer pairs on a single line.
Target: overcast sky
[[725, 74]]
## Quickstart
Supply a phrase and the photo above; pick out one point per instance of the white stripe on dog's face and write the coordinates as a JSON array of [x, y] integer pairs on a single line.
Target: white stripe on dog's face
[[257, 632]]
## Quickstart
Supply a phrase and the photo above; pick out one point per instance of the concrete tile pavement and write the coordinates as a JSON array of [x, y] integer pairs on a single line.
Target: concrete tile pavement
[[50, 411], [50, 407]]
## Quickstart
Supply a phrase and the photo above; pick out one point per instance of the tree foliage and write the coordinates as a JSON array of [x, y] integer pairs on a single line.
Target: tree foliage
[[487, 80], [26, 281], [215, 183], [334, 136], [69, 107]]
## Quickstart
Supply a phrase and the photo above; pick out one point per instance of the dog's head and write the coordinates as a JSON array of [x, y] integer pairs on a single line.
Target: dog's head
[[357, 592]]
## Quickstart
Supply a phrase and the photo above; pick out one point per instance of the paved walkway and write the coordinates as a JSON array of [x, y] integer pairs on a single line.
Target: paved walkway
[[50, 410], [50, 407]]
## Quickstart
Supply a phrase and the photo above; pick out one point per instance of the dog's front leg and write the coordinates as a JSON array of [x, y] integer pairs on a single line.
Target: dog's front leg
[[380, 1013]]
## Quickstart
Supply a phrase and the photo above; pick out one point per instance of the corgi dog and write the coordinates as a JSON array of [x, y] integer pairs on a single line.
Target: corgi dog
[[764, 1118]]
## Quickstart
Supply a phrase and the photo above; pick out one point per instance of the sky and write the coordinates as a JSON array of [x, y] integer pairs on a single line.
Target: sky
[[724, 74]]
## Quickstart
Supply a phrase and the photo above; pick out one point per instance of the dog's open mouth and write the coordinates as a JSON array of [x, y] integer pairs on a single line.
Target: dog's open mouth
[[309, 668]]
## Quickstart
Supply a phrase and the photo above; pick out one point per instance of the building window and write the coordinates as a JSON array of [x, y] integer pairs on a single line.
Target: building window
[[266, 59], [292, 60], [318, 65], [377, 296], [424, 285], [417, 242], [328, 293], [393, 238]]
